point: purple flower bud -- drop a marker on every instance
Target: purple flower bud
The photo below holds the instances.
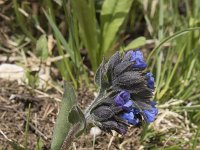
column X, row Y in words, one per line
column 138, row 58
column 150, row 80
column 113, row 125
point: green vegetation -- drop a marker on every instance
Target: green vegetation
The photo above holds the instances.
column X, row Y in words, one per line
column 86, row 31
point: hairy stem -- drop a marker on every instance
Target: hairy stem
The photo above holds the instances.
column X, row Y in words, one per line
column 70, row 137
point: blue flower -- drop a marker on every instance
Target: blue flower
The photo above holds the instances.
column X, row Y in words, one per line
column 130, row 117
column 150, row 80
column 123, row 99
column 137, row 56
column 150, row 115
column 129, row 113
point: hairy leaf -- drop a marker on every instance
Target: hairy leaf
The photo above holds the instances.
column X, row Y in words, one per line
column 62, row 123
column 77, row 116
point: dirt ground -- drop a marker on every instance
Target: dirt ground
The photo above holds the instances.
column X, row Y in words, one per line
column 15, row 101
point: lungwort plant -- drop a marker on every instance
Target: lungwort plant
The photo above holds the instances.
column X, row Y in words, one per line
column 124, row 99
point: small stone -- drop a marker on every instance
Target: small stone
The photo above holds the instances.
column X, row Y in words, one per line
column 95, row 131
column 12, row 72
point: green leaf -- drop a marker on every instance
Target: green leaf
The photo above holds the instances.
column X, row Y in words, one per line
column 42, row 47
column 174, row 36
column 140, row 41
column 167, row 84
column 21, row 21
column 39, row 144
column 60, row 36
column 85, row 13
column 62, row 125
column 59, row 2
column 33, row 78
column 195, row 140
column 113, row 15
column 60, row 39
column 77, row 116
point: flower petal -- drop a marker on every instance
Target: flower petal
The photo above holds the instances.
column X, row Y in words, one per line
column 150, row 80
column 122, row 98
column 130, row 117
column 127, row 106
column 129, row 103
column 150, row 115
column 137, row 56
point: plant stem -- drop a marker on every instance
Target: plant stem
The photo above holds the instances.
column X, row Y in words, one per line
column 70, row 137
column 88, row 109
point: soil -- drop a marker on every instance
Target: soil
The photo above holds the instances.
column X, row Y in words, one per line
column 15, row 101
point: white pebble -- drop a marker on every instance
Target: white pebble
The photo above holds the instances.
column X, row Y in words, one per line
column 95, row 131
column 11, row 72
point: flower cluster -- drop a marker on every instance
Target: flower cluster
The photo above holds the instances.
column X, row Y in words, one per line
column 125, row 93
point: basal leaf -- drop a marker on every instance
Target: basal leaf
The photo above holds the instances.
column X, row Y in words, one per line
column 113, row 15
column 84, row 11
column 62, row 125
